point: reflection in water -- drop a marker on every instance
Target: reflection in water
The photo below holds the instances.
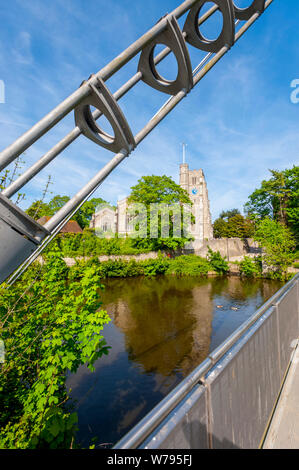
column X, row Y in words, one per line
column 162, row 328
column 166, row 328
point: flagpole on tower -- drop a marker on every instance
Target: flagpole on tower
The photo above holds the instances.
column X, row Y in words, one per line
column 184, row 152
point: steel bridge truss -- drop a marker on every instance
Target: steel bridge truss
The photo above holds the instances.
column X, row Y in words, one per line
column 21, row 238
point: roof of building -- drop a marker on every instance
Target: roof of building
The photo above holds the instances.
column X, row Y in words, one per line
column 71, row 226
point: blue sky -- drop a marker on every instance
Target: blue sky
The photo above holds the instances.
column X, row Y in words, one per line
column 238, row 122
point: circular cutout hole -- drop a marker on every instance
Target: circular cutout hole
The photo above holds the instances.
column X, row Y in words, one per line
column 243, row 3
column 104, row 127
column 212, row 27
column 167, row 69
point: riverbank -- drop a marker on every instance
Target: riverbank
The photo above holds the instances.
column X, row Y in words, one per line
column 187, row 265
column 153, row 264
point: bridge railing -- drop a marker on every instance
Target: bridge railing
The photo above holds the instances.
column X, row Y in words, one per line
column 228, row 400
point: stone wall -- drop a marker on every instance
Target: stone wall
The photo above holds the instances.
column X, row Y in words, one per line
column 233, row 248
column 139, row 257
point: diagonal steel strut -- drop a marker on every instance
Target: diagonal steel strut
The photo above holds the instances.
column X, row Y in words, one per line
column 166, row 30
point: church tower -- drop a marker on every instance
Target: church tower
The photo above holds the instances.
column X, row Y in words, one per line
column 193, row 181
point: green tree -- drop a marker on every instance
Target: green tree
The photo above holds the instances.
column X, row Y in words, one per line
column 56, row 203
column 84, row 214
column 160, row 190
column 216, row 261
column 278, row 246
column 277, row 198
column 232, row 224
column 220, row 228
column 238, row 226
column 38, row 209
column 226, row 215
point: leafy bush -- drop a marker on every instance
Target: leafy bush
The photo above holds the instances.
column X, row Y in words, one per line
column 153, row 267
column 48, row 327
column 216, row 261
column 251, row 267
column 278, row 247
column 189, row 265
column 88, row 244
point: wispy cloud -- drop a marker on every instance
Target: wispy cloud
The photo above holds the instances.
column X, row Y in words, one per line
column 22, row 48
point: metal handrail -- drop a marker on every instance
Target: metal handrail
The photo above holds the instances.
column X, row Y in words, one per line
column 153, row 419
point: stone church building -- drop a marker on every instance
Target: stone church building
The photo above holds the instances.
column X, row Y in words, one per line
column 109, row 220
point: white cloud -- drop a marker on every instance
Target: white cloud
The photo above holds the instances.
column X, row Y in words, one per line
column 22, row 49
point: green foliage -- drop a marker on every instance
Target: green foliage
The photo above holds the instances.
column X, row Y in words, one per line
column 277, row 198
column 217, row 262
column 231, row 224
column 88, row 244
column 83, row 216
column 158, row 189
column 164, row 191
column 251, row 267
column 118, row 246
column 278, row 246
column 220, row 228
column 143, row 245
column 153, row 267
column 48, row 327
column 56, row 203
column 226, row 215
column 37, row 209
column 122, row 268
column 189, row 265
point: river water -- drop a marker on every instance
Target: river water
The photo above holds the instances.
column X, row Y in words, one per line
column 161, row 329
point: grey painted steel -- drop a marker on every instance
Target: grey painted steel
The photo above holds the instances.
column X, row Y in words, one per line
column 244, row 386
column 14, row 248
column 21, row 144
column 173, row 38
column 150, row 422
column 17, row 274
column 242, row 379
column 227, row 35
column 20, row 221
column 287, row 314
column 17, row 235
column 103, row 100
column 58, row 113
column 14, row 187
column 257, row 6
column 283, row 432
column 186, row 427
